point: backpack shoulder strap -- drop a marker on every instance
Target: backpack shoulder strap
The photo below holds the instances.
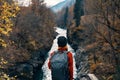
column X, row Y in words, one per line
column 55, row 52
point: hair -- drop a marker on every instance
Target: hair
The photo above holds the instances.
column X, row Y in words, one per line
column 62, row 41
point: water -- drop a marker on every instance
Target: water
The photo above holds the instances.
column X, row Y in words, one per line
column 46, row 71
column 92, row 77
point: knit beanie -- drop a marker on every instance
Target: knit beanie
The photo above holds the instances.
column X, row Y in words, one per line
column 62, row 41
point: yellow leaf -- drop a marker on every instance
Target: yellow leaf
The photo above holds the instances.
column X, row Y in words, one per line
column 33, row 43
column 7, row 11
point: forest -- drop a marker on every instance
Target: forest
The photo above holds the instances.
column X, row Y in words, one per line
column 97, row 30
column 25, row 38
column 27, row 33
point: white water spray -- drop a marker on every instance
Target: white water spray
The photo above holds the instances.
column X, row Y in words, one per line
column 46, row 71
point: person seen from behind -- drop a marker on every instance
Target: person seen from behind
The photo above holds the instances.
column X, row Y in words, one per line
column 61, row 61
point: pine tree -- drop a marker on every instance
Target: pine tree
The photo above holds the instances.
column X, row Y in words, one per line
column 66, row 17
column 78, row 11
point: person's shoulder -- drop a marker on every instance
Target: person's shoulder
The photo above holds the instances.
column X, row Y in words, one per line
column 52, row 53
column 69, row 54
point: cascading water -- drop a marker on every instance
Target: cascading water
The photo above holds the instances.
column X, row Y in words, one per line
column 46, row 71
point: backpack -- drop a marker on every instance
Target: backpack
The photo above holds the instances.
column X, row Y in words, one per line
column 59, row 65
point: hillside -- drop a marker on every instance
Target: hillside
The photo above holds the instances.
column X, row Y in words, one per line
column 24, row 40
column 96, row 39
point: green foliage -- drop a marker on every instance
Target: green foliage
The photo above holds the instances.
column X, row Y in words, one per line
column 66, row 17
column 78, row 11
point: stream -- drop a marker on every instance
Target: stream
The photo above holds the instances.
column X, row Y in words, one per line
column 46, row 71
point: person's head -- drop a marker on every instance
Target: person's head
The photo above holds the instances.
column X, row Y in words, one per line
column 62, row 41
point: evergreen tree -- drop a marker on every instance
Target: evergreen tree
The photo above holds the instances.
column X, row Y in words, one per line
column 78, row 11
column 66, row 16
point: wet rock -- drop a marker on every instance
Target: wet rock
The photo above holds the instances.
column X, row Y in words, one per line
column 22, row 71
column 31, row 69
column 25, row 71
column 82, row 65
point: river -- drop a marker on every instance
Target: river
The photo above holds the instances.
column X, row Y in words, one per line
column 46, row 71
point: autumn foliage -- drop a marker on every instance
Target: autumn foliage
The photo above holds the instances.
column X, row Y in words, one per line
column 99, row 35
column 8, row 11
column 26, row 33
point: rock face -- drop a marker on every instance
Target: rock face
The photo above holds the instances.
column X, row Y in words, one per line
column 22, row 71
column 82, row 65
column 31, row 69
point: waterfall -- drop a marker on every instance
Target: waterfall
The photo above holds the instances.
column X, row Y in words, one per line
column 46, row 71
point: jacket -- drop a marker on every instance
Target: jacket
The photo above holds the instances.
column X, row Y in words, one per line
column 70, row 61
